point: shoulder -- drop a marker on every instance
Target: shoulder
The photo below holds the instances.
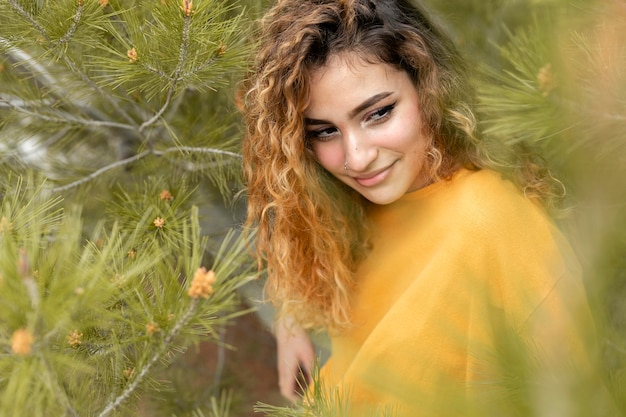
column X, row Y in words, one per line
column 484, row 201
column 484, row 189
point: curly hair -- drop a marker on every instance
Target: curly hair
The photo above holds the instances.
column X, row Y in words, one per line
column 312, row 229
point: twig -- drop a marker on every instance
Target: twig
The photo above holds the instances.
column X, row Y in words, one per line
column 169, row 338
column 192, row 149
column 162, row 110
column 158, row 72
column 220, row 360
column 59, row 389
column 23, row 57
column 70, row 32
column 18, row 102
column 67, row 118
column 85, row 78
column 28, row 17
column 182, row 57
column 137, row 157
column 101, row 171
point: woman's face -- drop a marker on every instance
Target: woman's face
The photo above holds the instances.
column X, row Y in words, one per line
column 364, row 126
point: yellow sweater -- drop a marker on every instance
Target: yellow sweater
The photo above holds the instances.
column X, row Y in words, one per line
column 454, row 267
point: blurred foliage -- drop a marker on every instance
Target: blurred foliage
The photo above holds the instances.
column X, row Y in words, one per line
column 549, row 75
column 86, row 323
column 115, row 101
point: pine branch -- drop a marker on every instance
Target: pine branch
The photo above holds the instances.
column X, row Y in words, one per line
column 182, row 57
column 167, row 341
column 43, row 77
column 19, row 55
column 138, row 157
column 30, row 19
column 101, row 171
column 72, row 66
column 103, row 93
column 199, row 150
column 17, row 103
column 66, row 117
column 72, row 29
column 61, row 393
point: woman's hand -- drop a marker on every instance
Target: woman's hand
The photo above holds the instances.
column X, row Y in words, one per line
column 295, row 358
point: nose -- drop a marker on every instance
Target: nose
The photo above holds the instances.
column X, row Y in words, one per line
column 360, row 152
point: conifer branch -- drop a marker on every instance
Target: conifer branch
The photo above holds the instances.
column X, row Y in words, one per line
column 182, row 58
column 101, row 171
column 111, row 100
column 61, row 393
column 162, row 110
column 30, row 19
column 50, row 81
column 137, row 157
column 19, row 103
column 220, row 360
column 167, row 341
column 193, row 149
column 158, row 72
column 66, row 118
column 43, row 77
column 70, row 32
column 24, row 58
column 575, row 107
column 184, row 46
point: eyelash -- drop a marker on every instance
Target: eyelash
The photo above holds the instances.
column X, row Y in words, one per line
column 383, row 113
column 377, row 116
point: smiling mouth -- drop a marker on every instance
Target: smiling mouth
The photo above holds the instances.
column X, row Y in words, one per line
column 375, row 178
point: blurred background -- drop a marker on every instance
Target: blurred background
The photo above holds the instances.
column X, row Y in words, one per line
column 109, row 101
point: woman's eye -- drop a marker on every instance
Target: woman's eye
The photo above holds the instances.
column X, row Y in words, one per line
column 381, row 113
column 321, row 134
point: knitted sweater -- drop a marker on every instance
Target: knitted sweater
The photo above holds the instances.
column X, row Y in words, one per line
column 464, row 276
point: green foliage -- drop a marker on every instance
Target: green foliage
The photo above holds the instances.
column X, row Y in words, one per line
column 116, row 101
column 126, row 108
column 559, row 89
column 86, row 323
column 322, row 400
column 95, row 86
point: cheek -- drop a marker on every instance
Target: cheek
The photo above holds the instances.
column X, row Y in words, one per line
column 329, row 155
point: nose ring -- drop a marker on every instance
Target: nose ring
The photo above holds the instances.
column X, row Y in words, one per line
column 345, row 165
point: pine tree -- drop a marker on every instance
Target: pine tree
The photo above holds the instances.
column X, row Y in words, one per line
column 86, row 322
column 118, row 141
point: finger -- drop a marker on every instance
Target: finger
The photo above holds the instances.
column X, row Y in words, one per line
column 287, row 383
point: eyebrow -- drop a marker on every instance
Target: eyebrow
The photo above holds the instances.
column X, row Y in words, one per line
column 358, row 109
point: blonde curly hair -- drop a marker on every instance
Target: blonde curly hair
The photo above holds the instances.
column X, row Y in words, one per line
column 311, row 229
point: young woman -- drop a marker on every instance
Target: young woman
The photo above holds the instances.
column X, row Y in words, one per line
column 380, row 215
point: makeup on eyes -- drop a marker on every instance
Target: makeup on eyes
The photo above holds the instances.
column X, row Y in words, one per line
column 378, row 115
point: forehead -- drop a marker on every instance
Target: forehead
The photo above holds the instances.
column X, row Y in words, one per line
column 351, row 75
column 344, row 60
column 352, row 68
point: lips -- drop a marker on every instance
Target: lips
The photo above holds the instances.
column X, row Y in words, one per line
column 374, row 178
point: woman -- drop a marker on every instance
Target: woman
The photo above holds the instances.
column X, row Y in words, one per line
column 380, row 215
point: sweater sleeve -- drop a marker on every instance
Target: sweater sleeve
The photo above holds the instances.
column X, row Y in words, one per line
column 534, row 278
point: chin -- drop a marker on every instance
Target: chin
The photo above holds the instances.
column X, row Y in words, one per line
column 381, row 199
